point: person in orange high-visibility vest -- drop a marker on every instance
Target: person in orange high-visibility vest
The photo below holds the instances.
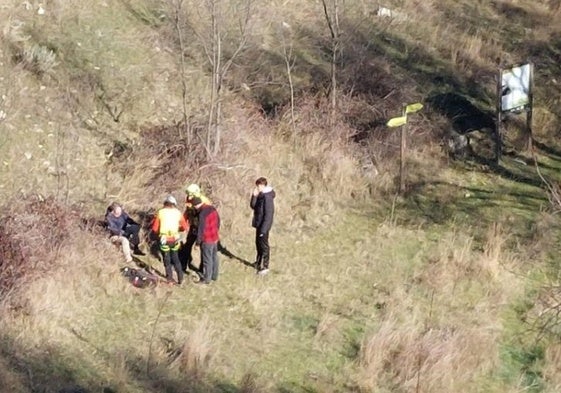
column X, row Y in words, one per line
column 168, row 224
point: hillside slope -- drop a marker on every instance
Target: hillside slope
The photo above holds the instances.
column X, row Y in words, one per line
column 450, row 286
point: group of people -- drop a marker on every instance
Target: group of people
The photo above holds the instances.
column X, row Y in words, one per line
column 199, row 224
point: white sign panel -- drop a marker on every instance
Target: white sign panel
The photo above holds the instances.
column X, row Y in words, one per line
column 515, row 91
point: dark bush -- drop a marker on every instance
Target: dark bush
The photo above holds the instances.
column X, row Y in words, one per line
column 174, row 151
column 31, row 234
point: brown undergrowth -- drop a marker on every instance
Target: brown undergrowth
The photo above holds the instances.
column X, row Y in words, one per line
column 33, row 232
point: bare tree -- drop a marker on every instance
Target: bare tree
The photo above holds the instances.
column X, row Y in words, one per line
column 213, row 16
column 287, row 48
column 331, row 13
column 221, row 29
column 178, row 24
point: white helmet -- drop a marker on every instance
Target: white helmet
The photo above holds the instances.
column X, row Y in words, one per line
column 170, row 199
column 193, row 189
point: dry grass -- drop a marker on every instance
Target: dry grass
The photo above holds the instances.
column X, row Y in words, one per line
column 440, row 341
column 12, row 381
column 444, row 359
column 552, row 372
column 430, row 343
column 356, row 298
column 248, row 384
column 195, row 356
column 493, row 251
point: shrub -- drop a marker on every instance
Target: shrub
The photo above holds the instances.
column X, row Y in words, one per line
column 36, row 57
column 32, row 232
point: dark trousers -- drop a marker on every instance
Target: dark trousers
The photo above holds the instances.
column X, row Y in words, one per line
column 263, row 250
column 209, row 261
column 171, row 259
column 186, row 253
column 131, row 233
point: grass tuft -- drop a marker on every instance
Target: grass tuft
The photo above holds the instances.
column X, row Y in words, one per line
column 196, row 352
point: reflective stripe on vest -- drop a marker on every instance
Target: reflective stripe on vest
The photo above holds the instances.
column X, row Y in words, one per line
column 169, row 221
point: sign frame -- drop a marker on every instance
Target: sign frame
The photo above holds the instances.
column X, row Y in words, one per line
column 515, row 87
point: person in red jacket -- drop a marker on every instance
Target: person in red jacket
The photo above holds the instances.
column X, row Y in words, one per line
column 192, row 217
column 168, row 224
column 207, row 239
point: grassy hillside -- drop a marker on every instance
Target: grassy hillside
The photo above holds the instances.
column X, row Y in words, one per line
column 451, row 286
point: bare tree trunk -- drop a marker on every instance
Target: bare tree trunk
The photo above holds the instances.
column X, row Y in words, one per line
column 287, row 52
column 333, row 24
column 218, row 86
column 178, row 9
column 214, row 56
column 217, row 127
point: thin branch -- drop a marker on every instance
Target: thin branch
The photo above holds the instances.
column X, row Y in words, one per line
column 177, row 24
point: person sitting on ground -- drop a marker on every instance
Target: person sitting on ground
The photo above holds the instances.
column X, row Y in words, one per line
column 192, row 216
column 168, row 224
column 123, row 230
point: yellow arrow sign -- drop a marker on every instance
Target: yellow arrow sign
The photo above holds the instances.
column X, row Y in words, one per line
column 412, row 108
column 397, row 121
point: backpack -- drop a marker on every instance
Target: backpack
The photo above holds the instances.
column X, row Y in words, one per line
column 139, row 278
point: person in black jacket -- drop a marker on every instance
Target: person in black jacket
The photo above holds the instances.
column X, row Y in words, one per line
column 123, row 230
column 263, row 205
